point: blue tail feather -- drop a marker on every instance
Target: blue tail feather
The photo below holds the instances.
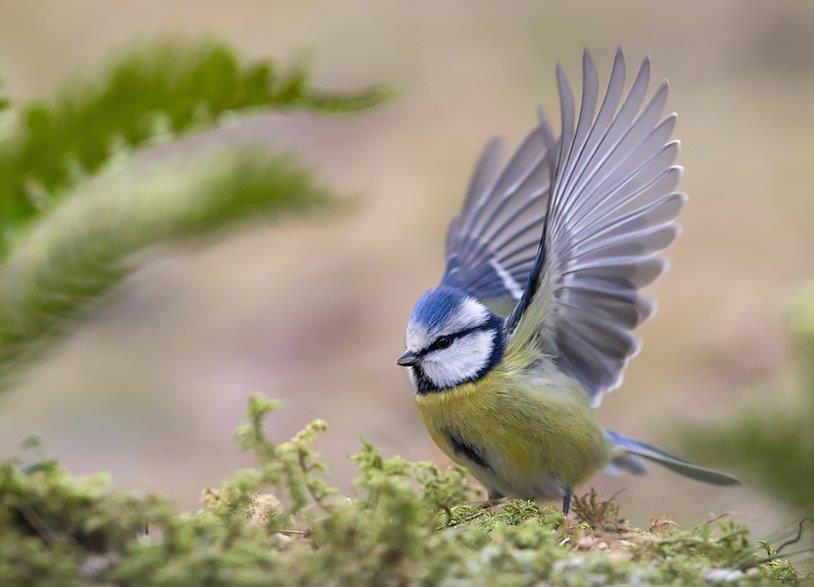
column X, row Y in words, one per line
column 633, row 447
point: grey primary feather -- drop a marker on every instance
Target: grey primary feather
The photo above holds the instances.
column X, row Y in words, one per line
column 493, row 242
column 611, row 210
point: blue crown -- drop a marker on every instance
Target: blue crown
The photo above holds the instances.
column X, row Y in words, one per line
column 435, row 306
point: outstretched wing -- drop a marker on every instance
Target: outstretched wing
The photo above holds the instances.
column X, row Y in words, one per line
column 492, row 243
column 611, row 210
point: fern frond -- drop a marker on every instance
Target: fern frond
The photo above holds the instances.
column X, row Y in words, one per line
column 85, row 246
column 148, row 94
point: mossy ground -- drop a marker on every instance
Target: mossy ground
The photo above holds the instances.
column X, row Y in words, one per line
column 406, row 523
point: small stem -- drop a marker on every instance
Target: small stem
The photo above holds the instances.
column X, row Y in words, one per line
column 489, row 505
column 300, row 533
column 39, row 525
column 779, row 549
column 306, row 470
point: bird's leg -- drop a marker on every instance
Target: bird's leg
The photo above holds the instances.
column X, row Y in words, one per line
column 566, row 501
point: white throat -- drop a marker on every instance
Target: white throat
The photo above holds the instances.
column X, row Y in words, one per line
column 463, row 361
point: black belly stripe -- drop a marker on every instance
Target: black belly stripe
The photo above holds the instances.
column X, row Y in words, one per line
column 469, row 451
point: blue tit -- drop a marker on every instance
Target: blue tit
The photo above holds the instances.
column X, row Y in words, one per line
column 533, row 320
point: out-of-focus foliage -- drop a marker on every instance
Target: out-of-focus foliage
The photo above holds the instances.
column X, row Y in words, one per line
column 151, row 93
column 776, row 446
column 86, row 245
column 279, row 523
column 4, row 103
column 65, row 241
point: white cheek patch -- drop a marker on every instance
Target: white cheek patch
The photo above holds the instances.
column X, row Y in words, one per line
column 460, row 362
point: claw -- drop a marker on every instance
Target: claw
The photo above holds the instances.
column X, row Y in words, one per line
column 566, row 501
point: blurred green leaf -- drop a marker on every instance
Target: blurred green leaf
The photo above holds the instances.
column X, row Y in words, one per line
column 148, row 94
column 85, row 246
column 67, row 241
column 4, row 102
column 772, row 446
column 32, row 442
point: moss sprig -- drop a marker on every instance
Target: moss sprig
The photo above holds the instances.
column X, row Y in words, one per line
column 279, row 523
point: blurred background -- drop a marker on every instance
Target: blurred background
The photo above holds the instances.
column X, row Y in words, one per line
column 313, row 311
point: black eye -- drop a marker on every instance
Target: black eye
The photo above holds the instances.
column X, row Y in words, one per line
column 443, row 342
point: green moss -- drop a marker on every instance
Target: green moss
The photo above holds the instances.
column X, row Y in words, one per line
column 279, row 523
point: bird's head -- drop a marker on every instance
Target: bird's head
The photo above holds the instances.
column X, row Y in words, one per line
column 452, row 338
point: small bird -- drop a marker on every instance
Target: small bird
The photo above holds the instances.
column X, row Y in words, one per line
column 533, row 320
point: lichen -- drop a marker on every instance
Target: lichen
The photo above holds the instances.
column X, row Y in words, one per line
column 280, row 523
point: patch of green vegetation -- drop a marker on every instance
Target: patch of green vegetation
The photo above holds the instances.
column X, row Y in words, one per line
column 66, row 241
column 85, row 247
column 280, row 523
column 775, row 446
column 76, row 210
column 148, row 94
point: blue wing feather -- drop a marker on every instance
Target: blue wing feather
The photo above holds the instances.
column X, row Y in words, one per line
column 492, row 243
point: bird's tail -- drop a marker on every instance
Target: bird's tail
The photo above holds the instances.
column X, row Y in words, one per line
column 632, row 448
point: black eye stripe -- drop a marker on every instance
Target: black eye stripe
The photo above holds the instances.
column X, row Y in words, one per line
column 453, row 337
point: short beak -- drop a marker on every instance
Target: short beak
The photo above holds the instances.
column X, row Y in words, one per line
column 408, row 359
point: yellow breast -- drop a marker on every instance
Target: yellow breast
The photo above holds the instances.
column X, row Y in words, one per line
column 521, row 432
